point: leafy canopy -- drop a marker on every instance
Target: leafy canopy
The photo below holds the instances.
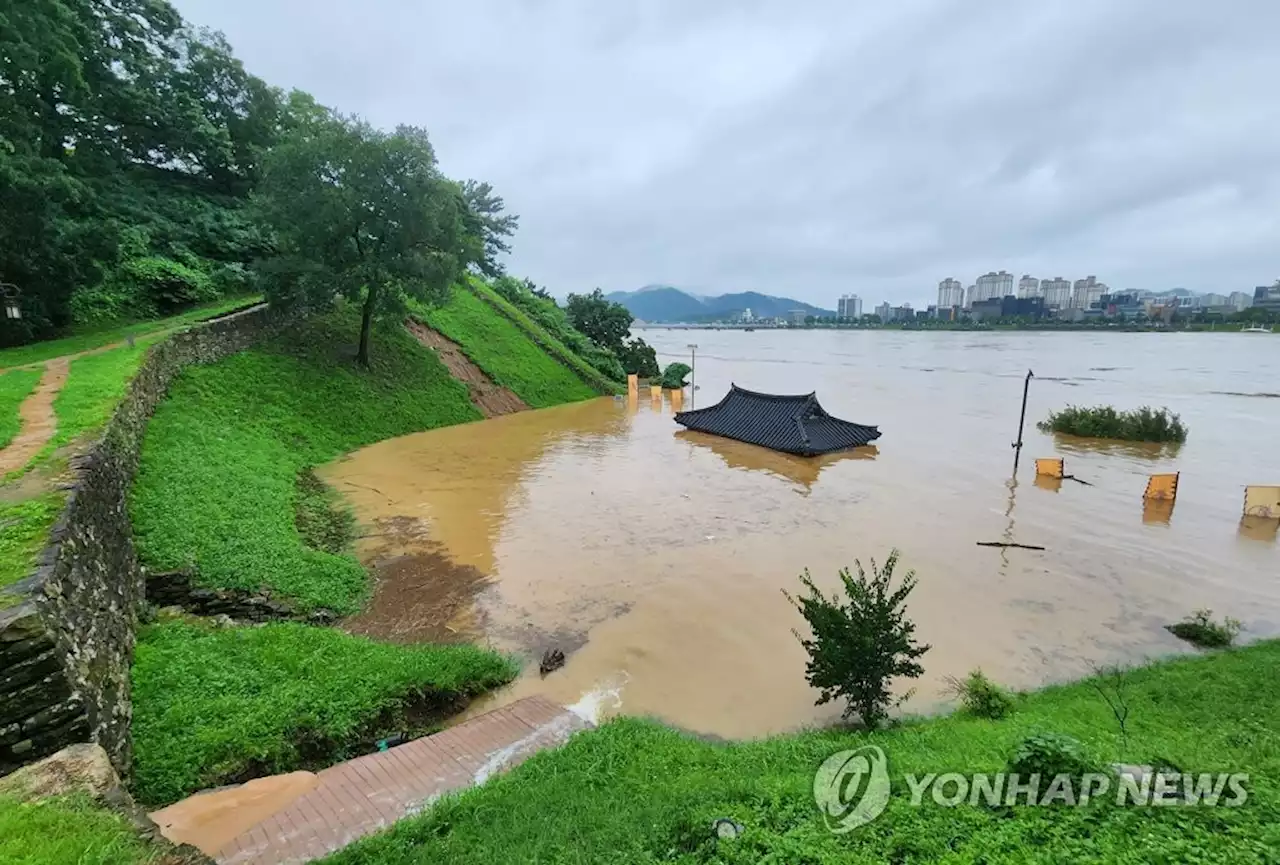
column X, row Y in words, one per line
column 362, row 213
column 861, row 643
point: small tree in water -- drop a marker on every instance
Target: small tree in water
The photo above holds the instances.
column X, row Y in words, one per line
column 859, row 646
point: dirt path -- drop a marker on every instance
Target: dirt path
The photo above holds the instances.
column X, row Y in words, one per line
column 38, row 420
column 491, row 399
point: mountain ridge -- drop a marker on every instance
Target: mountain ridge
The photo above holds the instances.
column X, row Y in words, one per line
column 666, row 303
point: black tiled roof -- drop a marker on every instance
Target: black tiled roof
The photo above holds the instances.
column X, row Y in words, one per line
column 791, row 424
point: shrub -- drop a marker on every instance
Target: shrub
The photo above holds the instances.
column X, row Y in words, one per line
column 1201, row 630
column 1144, row 425
column 859, row 646
column 145, row 287
column 1050, row 754
column 639, row 358
column 674, row 375
column 981, row 697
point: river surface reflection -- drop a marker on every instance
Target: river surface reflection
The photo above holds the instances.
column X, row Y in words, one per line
column 656, row 558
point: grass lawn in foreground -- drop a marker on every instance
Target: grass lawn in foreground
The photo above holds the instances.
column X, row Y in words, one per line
column 637, row 792
column 15, row 386
column 71, row 830
column 504, row 352
column 211, row 703
column 217, row 486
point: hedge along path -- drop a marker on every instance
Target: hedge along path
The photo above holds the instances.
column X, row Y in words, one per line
column 39, row 423
column 491, row 399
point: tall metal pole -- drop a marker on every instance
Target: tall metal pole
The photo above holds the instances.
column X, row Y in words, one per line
column 1022, row 419
column 693, row 374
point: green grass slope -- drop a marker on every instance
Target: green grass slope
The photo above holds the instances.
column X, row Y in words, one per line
column 637, row 792
column 504, row 352
column 211, row 703
column 545, row 339
column 217, row 485
column 71, row 830
column 15, row 386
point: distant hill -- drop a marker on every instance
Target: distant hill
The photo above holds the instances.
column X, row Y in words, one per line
column 666, row 303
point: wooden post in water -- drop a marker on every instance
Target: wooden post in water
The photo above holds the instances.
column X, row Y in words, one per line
column 1022, row 419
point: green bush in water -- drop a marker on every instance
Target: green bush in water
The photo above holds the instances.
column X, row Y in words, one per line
column 1143, row 425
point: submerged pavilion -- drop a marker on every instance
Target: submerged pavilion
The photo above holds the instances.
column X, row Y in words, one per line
column 791, row 424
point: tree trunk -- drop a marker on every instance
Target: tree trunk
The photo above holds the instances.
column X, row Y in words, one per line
column 366, row 322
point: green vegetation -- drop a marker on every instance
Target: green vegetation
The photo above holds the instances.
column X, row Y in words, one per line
column 214, row 705
column 393, row 231
column 324, row 522
column 15, row 386
column 1049, row 754
column 637, row 792
column 70, row 829
column 24, row 528
column 675, row 374
column 93, row 338
column 537, row 304
column 981, row 697
column 1144, row 425
column 862, row 642
column 217, row 485
column 1201, row 630
column 95, row 385
column 575, row 360
column 503, row 351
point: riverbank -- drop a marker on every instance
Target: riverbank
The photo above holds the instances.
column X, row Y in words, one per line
column 228, row 513
column 635, row 791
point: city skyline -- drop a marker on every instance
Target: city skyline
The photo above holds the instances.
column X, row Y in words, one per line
column 1058, row 293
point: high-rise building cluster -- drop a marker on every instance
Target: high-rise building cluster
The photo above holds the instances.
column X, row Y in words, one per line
column 1058, row 293
column 849, row 306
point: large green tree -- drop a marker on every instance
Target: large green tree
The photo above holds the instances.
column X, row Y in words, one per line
column 606, row 323
column 117, row 120
column 363, row 213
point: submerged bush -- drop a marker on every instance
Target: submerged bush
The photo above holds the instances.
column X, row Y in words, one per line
column 981, row 697
column 674, row 375
column 1201, row 630
column 859, row 646
column 1144, row 425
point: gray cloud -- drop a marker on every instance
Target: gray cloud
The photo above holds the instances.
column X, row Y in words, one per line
column 817, row 148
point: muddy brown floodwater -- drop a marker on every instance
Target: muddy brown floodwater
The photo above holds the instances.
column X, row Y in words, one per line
column 656, row 558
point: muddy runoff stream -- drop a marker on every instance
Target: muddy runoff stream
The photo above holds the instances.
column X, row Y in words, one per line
column 656, row 559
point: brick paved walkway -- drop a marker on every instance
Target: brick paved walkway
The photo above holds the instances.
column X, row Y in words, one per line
column 356, row 798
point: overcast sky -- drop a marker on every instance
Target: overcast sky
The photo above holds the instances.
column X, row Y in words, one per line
column 816, row 148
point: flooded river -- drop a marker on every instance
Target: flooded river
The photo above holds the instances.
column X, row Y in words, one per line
column 656, row 559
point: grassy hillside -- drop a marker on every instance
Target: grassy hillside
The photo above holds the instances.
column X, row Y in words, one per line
column 546, row 340
column 637, row 792
column 210, row 704
column 218, row 481
column 504, row 352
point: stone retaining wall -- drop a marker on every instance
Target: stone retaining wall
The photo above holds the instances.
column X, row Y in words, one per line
column 67, row 646
column 178, row 589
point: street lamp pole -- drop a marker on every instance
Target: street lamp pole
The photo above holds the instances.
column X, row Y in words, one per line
column 693, row 374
